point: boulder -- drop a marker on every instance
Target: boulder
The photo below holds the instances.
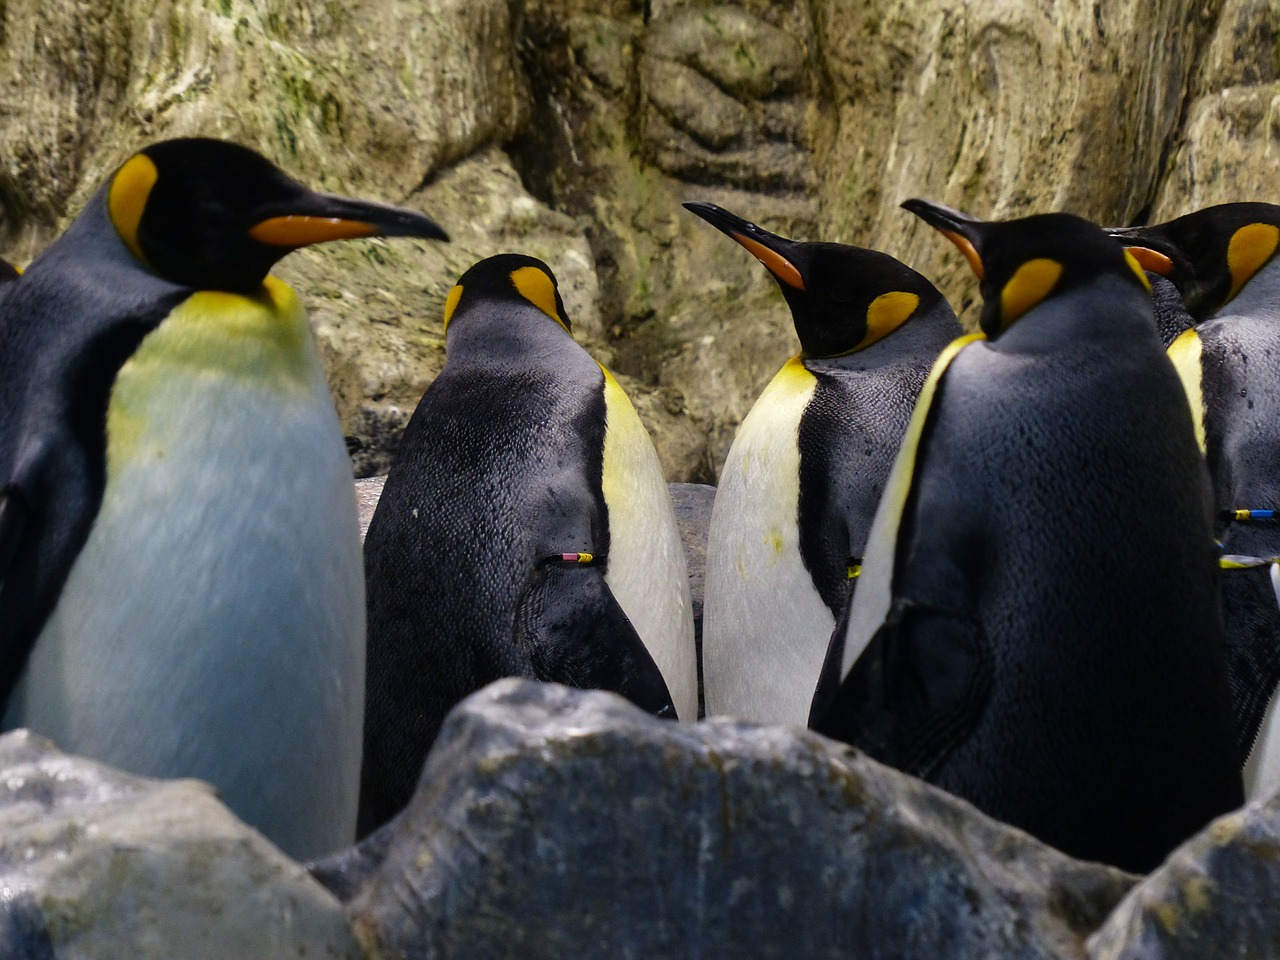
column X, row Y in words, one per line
column 559, row 823
column 1214, row 897
column 98, row 863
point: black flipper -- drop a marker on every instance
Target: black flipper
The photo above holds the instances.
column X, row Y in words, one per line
column 1253, row 647
column 916, row 691
column 574, row 632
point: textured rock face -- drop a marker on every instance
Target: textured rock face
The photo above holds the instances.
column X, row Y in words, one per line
column 97, row 863
column 572, row 130
column 1215, row 896
column 557, row 823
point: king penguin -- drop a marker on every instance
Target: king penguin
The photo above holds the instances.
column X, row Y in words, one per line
column 524, row 530
column 1223, row 262
column 1036, row 628
column 804, row 474
column 181, row 591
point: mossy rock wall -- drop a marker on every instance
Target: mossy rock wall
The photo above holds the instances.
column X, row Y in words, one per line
column 573, row 130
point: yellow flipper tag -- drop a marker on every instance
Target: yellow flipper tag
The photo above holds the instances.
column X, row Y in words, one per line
column 451, row 303
column 1030, row 284
column 887, row 313
column 127, row 198
column 536, row 287
column 1184, row 352
column 1250, row 247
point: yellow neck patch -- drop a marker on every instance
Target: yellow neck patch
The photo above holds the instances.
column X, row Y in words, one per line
column 451, row 304
column 539, row 289
column 1031, row 283
column 127, row 199
column 1250, row 247
column 1185, row 354
column 887, row 313
column 1136, row 266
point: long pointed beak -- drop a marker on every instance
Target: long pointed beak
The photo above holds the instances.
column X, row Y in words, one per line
column 769, row 248
column 320, row 217
column 960, row 228
column 1138, row 242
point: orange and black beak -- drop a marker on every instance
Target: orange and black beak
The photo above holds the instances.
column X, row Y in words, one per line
column 321, row 217
column 780, row 256
column 960, row 228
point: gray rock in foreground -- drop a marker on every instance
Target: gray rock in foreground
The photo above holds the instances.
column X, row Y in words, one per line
column 1216, row 896
column 559, row 823
column 95, row 863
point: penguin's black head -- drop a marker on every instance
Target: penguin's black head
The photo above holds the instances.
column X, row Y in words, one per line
column 1021, row 263
column 1210, row 254
column 217, row 216
column 842, row 298
column 509, row 278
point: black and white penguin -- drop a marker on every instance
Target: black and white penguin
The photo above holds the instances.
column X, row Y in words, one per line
column 1222, row 261
column 801, row 482
column 1036, row 628
column 180, row 584
column 525, row 530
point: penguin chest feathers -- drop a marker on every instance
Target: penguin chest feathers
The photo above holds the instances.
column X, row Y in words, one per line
column 647, row 572
column 213, row 622
column 766, row 627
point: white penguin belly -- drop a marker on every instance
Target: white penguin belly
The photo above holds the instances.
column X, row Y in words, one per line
column 647, row 573
column 765, row 628
column 213, row 624
column 1262, row 768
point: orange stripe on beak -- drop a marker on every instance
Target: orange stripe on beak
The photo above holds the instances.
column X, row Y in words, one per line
column 1152, row 261
column 773, row 261
column 304, row 231
column 965, row 246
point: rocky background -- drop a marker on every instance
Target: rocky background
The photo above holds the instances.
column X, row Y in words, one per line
column 571, row 130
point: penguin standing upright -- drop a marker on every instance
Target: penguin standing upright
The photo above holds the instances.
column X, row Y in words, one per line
column 1222, row 261
column 1036, row 628
column 180, row 581
column 525, row 530
column 803, row 477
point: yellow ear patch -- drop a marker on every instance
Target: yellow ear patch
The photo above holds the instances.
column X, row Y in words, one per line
column 887, row 313
column 1135, row 264
column 1250, row 247
column 536, row 287
column 451, row 303
column 1031, row 283
column 127, row 198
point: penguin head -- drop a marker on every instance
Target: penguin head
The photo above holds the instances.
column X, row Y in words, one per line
column 1022, row 263
column 842, row 298
column 214, row 215
column 510, row 279
column 1210, row 254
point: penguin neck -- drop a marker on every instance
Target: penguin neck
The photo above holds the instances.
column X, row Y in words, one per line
column 1260, row 296
column 522, row 336
column 923, row 335
column 91, row 254
column 1098, row 315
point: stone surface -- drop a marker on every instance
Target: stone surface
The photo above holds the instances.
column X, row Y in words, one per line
column 557, row 823
column 99, row 864
column 1214, row 897
column 572, row 130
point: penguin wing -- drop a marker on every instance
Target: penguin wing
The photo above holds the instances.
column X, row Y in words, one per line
column 907, row 669
column 13, row 520
column 574, row 632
